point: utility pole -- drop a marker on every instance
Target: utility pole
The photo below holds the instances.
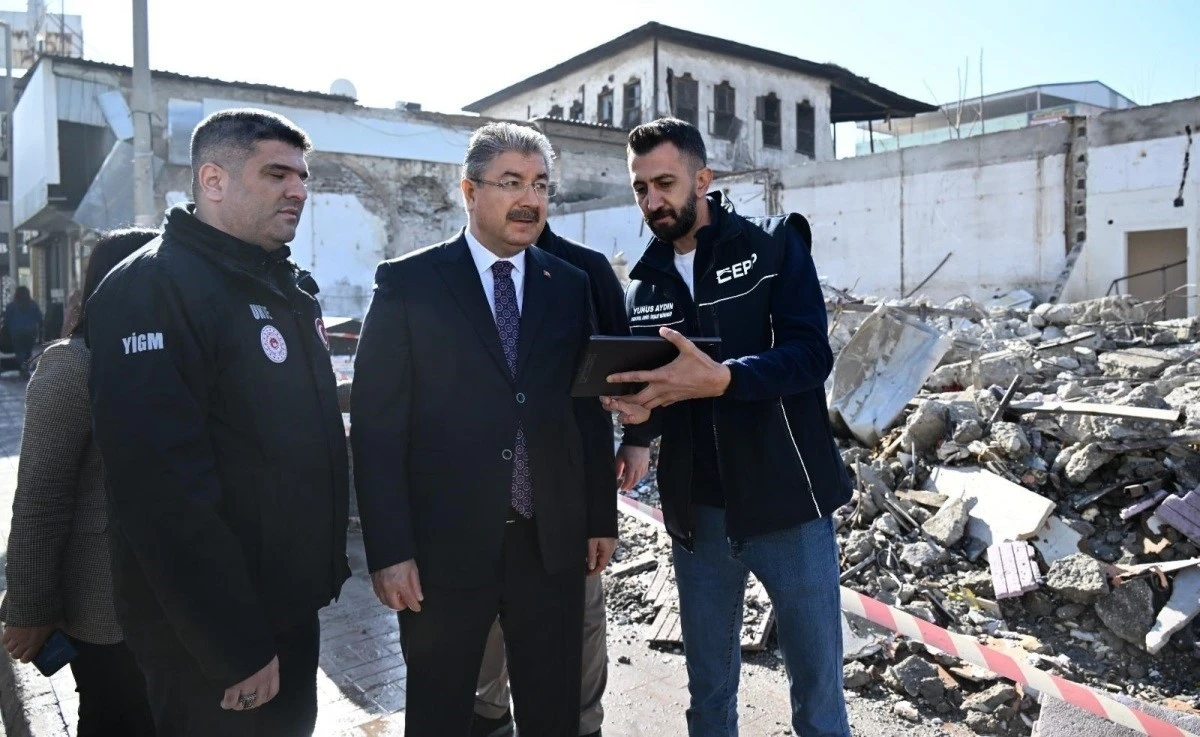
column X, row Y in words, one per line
column 11, row 225
column 143, row 157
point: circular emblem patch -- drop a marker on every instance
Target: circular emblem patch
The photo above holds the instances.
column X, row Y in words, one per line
column 321, row 332
column 273, row 344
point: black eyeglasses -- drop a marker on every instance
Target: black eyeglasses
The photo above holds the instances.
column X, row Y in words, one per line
column 515, row 189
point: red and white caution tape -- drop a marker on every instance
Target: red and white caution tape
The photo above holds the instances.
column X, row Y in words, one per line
column 970, row 650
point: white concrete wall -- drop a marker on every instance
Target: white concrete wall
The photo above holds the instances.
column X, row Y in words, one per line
column 1131, row 186
column 340, row 242
column 35, row 125
column 884, row 234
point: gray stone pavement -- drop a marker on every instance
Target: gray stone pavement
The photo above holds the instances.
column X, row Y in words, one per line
column 362, row 678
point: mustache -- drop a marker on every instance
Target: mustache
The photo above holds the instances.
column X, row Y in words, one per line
column 661, row 212
column 523, row 213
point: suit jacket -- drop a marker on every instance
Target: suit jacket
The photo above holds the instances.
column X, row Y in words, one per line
column 435, row 412
column 58, row 556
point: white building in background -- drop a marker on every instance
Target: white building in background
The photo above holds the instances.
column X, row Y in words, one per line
column 1002, row 111
column 756, row 108
column 37, row 31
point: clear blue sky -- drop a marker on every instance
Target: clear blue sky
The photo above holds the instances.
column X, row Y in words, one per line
column 445, row 54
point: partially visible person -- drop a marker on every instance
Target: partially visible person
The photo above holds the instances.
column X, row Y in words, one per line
column 58, row 561
column 24, row 320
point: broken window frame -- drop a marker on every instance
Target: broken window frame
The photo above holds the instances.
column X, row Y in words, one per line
column 806, row 129
column 576, row 112
column 604, row 106
column 631, row 106
column 685, row 96
column 724, row 105
column 556, row 111
column 771, row 124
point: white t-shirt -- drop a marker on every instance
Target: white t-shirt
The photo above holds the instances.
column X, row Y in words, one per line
column 685, row 264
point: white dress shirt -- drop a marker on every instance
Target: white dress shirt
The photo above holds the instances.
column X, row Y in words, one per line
column 483, row 262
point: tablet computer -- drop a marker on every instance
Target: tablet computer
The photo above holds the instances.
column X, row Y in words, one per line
column 612, row 354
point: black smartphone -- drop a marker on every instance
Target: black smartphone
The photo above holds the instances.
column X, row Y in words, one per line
column 56, row 652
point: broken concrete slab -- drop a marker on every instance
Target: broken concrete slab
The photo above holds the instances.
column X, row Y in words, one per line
column 925, row 428
column 1057, row 540
column 949, row 524
column 921, row 556
column 1135, row 363
column 1079, row 578
column 988, row 700
column 1001, row 510
column 1128, row 610
column 882, row 366
column 1060, row 719
column 999, row 367
column 1181, row 609
column 1085, row 461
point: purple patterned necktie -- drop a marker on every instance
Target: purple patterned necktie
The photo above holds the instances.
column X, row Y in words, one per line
column 508, row 324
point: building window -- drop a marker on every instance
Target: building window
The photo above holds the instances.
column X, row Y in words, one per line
column 604, row 107
column 631, row 115
column 577, row 110
column 806, row 130
column 768, row 114
column 556, row 111
column 724, row 101
column 685, row 98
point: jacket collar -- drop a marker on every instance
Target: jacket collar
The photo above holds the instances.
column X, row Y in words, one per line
column 232, row 254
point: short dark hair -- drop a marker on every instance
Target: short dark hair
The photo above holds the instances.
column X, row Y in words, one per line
column 227, row 138
column 686, row 137
column 112, row 248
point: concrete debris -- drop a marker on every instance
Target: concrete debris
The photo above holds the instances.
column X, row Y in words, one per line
column 1079, row 578
column 1182, row 608
column 880, row 369
column 949, row 524
column 1128, row 610
column 1000, row 509
column 1038, row 427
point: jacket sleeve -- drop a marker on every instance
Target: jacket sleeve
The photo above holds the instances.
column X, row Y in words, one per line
column 801, row 358
column 151, row 381
column 379, row 426
column 57, row 433
column 596, row 430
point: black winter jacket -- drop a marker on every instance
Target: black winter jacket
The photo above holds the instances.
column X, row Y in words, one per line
column 757, row 290
column 215, row 410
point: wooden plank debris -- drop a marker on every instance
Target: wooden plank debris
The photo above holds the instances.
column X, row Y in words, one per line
column 1013, row 570
column 637, row 565
column 1107, row 410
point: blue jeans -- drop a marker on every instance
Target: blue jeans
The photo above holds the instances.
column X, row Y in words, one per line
column 799, row 569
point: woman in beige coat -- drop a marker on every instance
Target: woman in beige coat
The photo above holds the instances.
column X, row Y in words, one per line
column 58, row 563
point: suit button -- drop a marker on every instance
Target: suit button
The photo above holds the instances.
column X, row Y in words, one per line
column 506, row 454
column 520, row 398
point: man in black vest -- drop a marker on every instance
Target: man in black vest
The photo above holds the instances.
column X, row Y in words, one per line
column 748, row 470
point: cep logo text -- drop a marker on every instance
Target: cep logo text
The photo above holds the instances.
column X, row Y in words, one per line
column 737, row 271
column 139, row 342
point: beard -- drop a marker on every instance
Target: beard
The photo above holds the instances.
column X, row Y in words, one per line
column 685, row 219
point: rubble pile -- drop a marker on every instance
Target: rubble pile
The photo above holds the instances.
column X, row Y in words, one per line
column 970, row 428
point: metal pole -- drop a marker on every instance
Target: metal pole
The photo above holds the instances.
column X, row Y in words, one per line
column 143, row 158
column 11, row 225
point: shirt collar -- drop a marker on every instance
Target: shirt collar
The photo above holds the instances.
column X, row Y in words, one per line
column 484, row 258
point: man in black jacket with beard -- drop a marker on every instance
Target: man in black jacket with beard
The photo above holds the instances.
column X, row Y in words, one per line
column 748, row 471
column 216, row 414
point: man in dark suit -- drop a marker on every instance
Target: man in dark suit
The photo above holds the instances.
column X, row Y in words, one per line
column 492, row 695
column 484, row 488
